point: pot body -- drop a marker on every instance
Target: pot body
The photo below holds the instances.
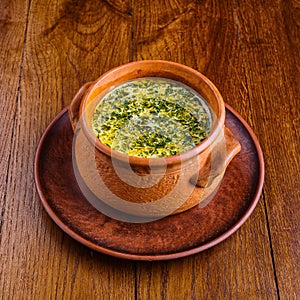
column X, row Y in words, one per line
column 158, row 186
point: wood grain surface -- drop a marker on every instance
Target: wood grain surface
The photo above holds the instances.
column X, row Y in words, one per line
column 249, row 49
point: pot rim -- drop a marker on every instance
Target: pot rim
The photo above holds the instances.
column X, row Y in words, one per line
column 157, row 161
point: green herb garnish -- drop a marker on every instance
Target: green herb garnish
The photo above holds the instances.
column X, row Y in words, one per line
column 151, row 117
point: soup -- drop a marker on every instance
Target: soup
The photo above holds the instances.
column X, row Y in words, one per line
column 151, row 117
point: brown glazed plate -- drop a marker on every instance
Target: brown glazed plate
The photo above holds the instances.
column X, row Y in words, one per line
column 175, row 236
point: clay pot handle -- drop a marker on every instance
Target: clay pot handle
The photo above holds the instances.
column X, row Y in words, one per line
column 233, row 147
column 74, row 106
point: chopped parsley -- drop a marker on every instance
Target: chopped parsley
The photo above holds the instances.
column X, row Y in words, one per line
column 151, row 117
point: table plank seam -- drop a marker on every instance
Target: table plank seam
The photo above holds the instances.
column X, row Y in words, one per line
column 18, row 95
column 271, row 245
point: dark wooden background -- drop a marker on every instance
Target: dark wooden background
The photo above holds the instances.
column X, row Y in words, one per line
column 250, row 49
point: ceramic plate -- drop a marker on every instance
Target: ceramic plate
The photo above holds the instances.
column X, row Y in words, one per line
column 175, row 236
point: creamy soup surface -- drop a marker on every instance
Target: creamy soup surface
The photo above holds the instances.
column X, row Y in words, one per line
column 152, row 117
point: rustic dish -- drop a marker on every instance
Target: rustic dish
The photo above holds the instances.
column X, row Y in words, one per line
column 150, row 187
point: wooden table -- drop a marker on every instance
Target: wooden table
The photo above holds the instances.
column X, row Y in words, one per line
column 249, row 49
